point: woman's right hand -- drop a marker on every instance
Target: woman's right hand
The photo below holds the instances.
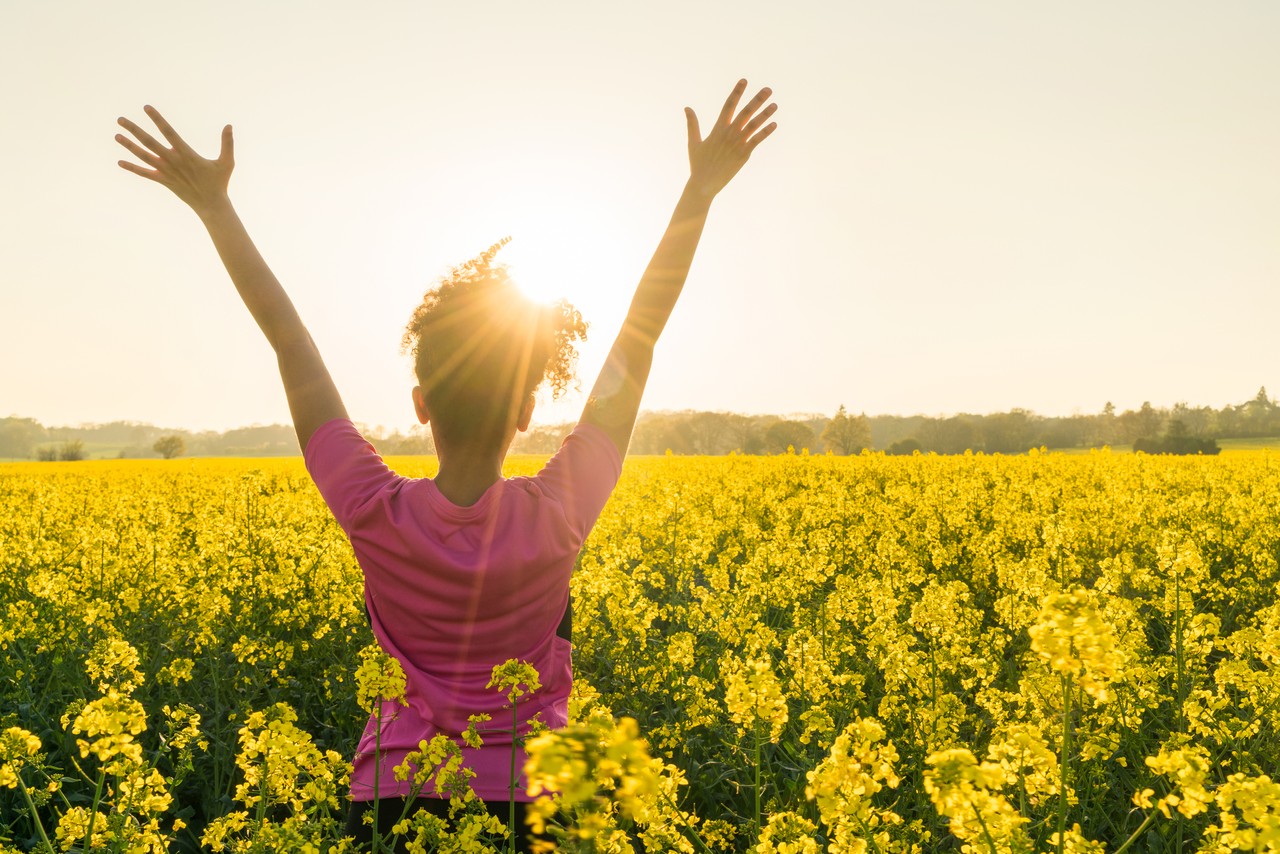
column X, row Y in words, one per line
column 199, row 182
column 714, row 161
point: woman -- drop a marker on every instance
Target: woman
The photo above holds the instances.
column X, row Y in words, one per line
column 466, row 570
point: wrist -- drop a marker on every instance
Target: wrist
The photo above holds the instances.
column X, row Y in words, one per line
column 213, row 208
column 697, row 194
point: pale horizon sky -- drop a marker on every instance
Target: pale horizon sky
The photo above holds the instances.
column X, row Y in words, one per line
column 967, row 207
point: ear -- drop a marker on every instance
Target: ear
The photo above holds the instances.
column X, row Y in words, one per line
column 526, row 414
column 420, row 405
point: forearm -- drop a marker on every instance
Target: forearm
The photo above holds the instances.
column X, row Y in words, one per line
column 258, row 287
column 664, row 278
column 615, row 398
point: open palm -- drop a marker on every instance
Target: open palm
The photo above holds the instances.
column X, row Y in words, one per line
column 196, row 180
column 715, row 159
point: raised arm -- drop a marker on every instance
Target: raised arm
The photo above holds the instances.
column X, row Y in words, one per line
column 713, row 161
column 202, row 184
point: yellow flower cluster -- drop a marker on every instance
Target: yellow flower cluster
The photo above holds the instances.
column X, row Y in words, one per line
column 968, row 794
column 517, row 678
column 844, row 785
column 110, row 725
column 588, row 771
column 113, row 664
column 1249, row 814
column 1188, row 770
column 281, row 764
column 1073, row 639
column 788, row 833
column 17, row 747
column 379, row 677
column 753, row 697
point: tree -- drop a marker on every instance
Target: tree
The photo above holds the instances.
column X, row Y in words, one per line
column 18, row 436
column 1008, row 432
column 706, row 430
column 903, row 448
column 169, row 446
column 782, row 435
column 953, row 435
column 846, row 435
column 71, row 450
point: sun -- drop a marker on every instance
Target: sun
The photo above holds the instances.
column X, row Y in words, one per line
column 564, row 247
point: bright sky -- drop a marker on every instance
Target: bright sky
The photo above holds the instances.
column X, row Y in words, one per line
column 968, row 206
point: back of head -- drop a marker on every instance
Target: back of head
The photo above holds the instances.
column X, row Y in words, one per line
column 481, row 349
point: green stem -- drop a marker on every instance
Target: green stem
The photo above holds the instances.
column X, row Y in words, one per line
column 1062, row 762
column 1181, row 665
column 377, row 775
column 93, row 812
column 1145, row 824
column 1179, row 656
column 35, row 818
column 511, row 785
column 757, row 786
column 689, row 833
column 871, row 837
column 986, row 832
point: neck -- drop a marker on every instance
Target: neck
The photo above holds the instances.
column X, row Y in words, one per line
column 464, row 478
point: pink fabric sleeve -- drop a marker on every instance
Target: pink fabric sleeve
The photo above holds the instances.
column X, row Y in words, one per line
column 346, row 469
column 581, row 476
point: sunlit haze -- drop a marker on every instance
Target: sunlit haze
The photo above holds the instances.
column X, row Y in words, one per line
column 966, row 206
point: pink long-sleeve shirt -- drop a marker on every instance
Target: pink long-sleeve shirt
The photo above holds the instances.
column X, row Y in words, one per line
column 452, row 591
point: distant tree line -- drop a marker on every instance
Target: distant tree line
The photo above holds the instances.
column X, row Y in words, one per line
column 1178, row 429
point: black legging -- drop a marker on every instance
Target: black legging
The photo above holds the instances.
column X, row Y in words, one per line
column 390, row 810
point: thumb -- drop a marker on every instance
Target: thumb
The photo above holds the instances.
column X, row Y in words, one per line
column 695, row 136
column 228, row 152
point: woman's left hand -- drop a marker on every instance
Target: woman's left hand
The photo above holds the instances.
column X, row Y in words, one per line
column 198, row 181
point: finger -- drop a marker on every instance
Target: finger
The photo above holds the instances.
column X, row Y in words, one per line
column 138, row 151
column 731, row 103
column 138, row 170
column 227, row 154
column 761, row 136
column 752, row 106
column 166, row 129
column 755, row 123
column 146, row 139
column 691, row 118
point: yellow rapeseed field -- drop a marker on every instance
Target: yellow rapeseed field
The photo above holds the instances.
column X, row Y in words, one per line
column 787, row 654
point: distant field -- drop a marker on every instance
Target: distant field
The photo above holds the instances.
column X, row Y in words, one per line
column 1228, row 446
column 105, row 451
column 1270, row 443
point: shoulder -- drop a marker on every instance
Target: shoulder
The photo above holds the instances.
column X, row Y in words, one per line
column 347, row 469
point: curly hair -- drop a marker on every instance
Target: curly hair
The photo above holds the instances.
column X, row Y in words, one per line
column 481, row 348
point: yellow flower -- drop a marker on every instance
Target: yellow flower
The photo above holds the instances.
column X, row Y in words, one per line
column 471, row 735
column 860, row 764
column 74, row 826
column 591, row 766
column 114, row 665
column 787, row 833
column 1074, row 842
column 1024, row 757
column 17, row 746
column 109, row 725
column 1073, row 639
column 1249, row 814
column 1187, row 769
column 517, row 677
column 753, row 696
column 968, row 794
column 379, row 677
